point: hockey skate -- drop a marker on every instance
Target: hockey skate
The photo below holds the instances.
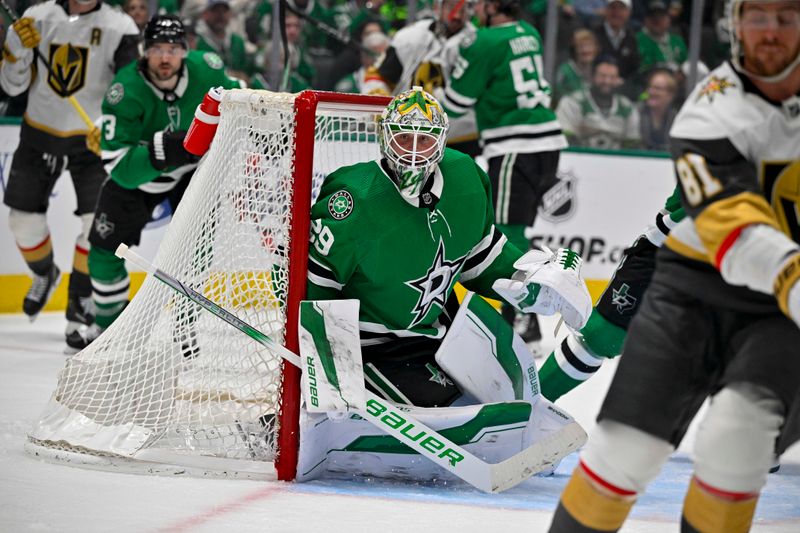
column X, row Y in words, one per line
column 80, row 312
column 40, row 292
column 82, row 337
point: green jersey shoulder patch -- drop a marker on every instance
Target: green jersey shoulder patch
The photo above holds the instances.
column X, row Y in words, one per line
column 115, row 93
column 340, row 205
column 213, row 60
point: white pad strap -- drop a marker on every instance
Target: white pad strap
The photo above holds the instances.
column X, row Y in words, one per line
column 485, row 357
column 330, row 351
column 29, row 229
column 735, row 441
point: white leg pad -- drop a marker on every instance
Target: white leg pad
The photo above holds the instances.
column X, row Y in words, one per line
column 736, row 439
column 353, row 446
column 29, row 229
column 485, row 357
column 624, row 456
column 86, row 227
column 330, row 351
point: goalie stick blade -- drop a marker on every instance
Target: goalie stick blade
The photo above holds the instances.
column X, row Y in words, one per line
column 538, row 456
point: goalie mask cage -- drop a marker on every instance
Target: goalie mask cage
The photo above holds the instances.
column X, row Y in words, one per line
column 171, row 388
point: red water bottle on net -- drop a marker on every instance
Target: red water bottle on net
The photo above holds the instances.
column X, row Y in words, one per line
column 204, row 125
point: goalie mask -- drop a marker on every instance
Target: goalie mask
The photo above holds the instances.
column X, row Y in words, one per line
column 413, row 132
column 785, row 20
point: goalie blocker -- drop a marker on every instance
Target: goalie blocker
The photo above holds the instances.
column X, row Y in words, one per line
column 499, row 413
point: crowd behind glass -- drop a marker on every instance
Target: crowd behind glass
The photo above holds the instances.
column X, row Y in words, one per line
column 621, row 67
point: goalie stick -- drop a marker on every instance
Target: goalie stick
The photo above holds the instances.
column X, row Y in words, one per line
column 394, row 421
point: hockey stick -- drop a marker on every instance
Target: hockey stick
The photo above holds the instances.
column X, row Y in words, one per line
column 339, row 35
column 398, row 423
column 51, row 72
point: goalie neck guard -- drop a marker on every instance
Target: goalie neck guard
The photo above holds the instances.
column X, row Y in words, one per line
column 413, row 132
column 736, row 8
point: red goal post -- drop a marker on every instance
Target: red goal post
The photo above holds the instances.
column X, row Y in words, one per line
column 169, row 388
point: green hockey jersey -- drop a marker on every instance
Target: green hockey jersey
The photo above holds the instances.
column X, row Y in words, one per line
column 500, row 74
column 134, row 109
column 587, row 124
column 402, row 260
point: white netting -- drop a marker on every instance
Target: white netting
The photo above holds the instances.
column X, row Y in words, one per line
column 169, row 382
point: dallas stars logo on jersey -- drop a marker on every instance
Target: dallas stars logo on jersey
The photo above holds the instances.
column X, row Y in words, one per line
column 622, row 299
column 434, row 285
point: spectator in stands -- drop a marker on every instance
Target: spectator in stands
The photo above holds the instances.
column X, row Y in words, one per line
column 658, row 47
column 600, row 117
column 137, row 9
column 657, row 110
column 576, row 73
column 590, row 12
column 214, row 35
column 618, row 40
column 301, row 72
column 376, row 44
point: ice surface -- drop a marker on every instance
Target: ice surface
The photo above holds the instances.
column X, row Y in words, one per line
column 40, row 496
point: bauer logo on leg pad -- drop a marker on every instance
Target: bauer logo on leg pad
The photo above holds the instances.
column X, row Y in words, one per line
column 333, row 373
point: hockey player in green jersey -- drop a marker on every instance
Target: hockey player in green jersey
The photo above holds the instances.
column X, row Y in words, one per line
column 396, row 235
column 499, row 74
column 582, row 352
column 146, row 112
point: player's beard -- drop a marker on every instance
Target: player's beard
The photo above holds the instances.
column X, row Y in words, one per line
column 164, row 72
column 755, row 64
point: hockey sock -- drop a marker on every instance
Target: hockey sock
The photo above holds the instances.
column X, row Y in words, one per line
column 33, row 240
column 80, row 284
column 578, row 358
column 39, row 257
column 710, row 510
column 110, row 285
column 591, row 504
column 566, row 367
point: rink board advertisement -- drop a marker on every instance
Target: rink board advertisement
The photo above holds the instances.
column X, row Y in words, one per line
column 601, row 203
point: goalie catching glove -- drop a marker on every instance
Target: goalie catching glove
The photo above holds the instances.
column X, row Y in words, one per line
column 546, row 283
column 166, row 150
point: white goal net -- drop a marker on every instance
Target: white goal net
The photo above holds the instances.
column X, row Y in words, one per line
column 170, row 387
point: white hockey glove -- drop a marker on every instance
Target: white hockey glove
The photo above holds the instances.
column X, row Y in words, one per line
column 787, row 288
column 547, row 283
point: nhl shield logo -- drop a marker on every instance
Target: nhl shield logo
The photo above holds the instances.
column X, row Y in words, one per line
column 558, row 203
column 68, row 68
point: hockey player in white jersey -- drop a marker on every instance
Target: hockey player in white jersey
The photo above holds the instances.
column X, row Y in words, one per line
column 423, row 54
column 720, row 317
column 84, row 42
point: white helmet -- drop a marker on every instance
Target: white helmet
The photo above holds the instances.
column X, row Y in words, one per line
column 413, row 132
column 734, row 18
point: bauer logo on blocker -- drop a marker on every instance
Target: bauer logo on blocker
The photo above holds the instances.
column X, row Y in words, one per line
column 340, row 205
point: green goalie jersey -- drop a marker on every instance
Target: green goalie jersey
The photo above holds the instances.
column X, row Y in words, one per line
column 402, row 260
column 134, row 109
column 500, row 73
